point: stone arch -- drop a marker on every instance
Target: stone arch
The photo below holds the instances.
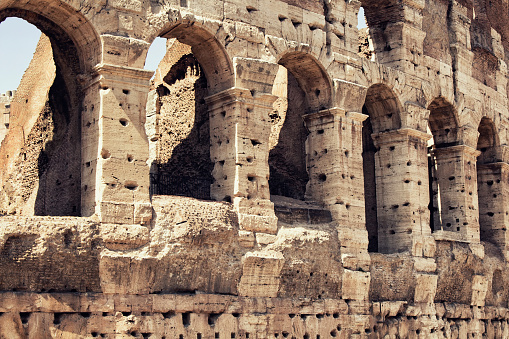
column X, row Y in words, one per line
column 443, row 122
column 195, row 67
column 488, row 136
column 65, row 26
column 383, row 107
column 210, row 53
column 73, row 45
column 312, row 78
column 384, row 110
column 490, row 184
column 302, row 87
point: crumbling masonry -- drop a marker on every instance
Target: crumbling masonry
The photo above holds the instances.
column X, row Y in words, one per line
column 284, row 175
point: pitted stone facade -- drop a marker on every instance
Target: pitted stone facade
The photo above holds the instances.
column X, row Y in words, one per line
column 276, row 179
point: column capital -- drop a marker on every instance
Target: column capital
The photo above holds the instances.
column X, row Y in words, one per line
column 454, row 150
column 494, row 165
column 106, row 74
column 237, row 94
column 334, row 112
column 398, row 135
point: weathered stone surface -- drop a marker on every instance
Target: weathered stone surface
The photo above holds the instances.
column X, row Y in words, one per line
column 283, row 175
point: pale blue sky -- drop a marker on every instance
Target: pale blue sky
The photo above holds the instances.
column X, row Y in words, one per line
column 19, row 39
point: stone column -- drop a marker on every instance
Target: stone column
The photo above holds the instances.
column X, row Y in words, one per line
column 493, row 184
column 456, row 183
column 239, row 132
column 115, row 174
column 401, row 170
column 334, row 161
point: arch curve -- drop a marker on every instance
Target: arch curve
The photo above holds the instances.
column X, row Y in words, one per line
column 209, row 52
column 312, row 78
column 383, row 107
column 66, row 27
column 443, row 122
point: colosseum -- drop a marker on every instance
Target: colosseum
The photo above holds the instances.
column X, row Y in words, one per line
column 283, row 174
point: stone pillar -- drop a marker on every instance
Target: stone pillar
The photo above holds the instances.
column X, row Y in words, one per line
column 334, row 161
column 456, row 183
column 401, row 170
column 400, row 44
column 493, row 184
column 239, row 132
column 115, row 174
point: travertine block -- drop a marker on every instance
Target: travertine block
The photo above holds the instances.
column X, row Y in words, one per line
column 260, row 274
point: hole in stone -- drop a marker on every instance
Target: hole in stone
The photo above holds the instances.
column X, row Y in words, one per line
column 124, row 122
column 24, row 317
column 94, row 334
column 322, row 177
column 216, row 335
column 249, row 159
column 285, row 334
column 489, row 182
column 452, row 178
column 57, row 318
column 392, row 148
column 105, row 154
column 419, row 183
column 392, row 232
column 125, row 91
column 346, row 154
column 198, row 335
column 131, row 185
column 186, row 319
column 409, row 163
column 395, row 206
column 236, row 315
column 406, row 204
column 168, row 315
column 251, row 178
column 388, row 165
column 251, row 9
column 333, row 333
column 490, row 214
column 281, row 17
column 255, row 142
column 320, row 131
column 407, row 181
column 448, row 224
column 130, row 158
column 227, row 199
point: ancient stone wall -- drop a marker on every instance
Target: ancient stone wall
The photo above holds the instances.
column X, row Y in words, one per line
column 5, row 110
column 337, row 183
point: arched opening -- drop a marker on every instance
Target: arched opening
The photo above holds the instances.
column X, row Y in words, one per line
column 40, row 158
column 302, row 87
column 443, row 125
column 490, row 185
column 193, row 67
column 383, row 109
